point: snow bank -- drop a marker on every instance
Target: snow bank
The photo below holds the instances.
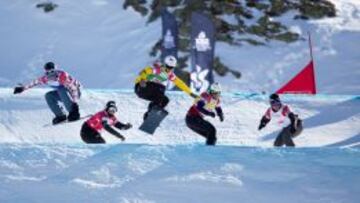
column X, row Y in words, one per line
column 328, row 120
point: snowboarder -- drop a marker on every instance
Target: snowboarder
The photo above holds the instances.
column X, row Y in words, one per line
column 90, row 131
column 66, row 90
column 152, row 82
column 280, row 110
column 205, row 106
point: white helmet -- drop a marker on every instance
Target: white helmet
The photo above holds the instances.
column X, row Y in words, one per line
column 170, row 61
column 215, row 88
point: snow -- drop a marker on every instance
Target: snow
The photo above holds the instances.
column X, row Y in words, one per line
column 189, row 173
column 327, row 119
column 105, row 46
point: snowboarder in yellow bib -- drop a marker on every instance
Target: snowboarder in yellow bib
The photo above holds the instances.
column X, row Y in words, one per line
column 152, row 82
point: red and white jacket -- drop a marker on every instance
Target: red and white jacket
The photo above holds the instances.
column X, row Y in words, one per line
column 59, row 78
column 96, row 121
column 280, row 116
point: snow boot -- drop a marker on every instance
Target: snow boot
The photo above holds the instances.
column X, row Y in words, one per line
column 74, row 114
column 58, row 119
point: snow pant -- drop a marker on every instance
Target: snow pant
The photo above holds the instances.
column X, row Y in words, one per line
column 285, row 136
column 153, row 92
column 202, row 127
column 53, row 99
column 90, row 136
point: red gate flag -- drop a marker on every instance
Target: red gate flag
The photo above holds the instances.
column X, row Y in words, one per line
column 302, row 83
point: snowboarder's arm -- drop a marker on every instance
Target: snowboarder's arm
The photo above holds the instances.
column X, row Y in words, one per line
column 182, row 85
column 122, row 126
column 220, row 113
column 108, row 128
column 200, row 106
column 39, row 81
column 264, row 121
column 144, row 74
column 294, row 120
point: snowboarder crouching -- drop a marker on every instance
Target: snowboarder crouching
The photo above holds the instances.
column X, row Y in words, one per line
column 66, row 90
column 205, row 106
column 280, row 110
column 90, row 131
column 152, row 82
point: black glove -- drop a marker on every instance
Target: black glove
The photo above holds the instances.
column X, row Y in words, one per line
column 261, row 126
column 221, row 117
column 122, row 138
column 127, row 126
column 19, row 89
column 212, row 114
column 194, row 95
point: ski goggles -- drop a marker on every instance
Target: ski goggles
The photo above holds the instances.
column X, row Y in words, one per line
column 275, row 103
column 112, row 110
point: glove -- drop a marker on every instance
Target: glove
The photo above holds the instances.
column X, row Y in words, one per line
column 221, row 117
column 19, row 89
column 261, row 126
column 212, row 114
column 194, row 95
column 122, row 138
column 127, row 126
column 142, row 83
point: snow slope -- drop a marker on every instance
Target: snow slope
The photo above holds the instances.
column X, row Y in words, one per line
column 328, row 120
column 105, row 47
column 147, row 173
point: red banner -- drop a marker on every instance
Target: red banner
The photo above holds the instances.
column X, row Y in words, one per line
column 302, row 83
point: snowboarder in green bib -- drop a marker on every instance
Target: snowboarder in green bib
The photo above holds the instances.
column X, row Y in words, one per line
column 152, row 82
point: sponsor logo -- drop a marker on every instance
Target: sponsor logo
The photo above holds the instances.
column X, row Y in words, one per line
column 199, row 83
column 169, row 41
column 202, row 42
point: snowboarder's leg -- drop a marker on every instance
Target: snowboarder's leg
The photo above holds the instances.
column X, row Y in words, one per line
column 279, row 141
column 202, row 127
column 285, row 137
column 52, row 99
column 155, row 93
column 70, row 106
column 90, row 136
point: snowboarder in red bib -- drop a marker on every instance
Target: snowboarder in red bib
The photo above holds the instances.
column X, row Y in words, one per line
column 281, row 111
column 152, row 82
column 66, row 90
column 205, row 105
column 90, row 131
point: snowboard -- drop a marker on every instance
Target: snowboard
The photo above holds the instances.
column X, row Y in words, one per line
column 153, row 120
column 66, row 121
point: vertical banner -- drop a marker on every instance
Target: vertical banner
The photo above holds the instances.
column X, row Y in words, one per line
column 169, row 45
column 202, row 52
column 169, row 34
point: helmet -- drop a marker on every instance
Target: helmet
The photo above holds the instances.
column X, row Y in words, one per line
column 274, row 98
column 170, row 61
column 111, row 106
column 49, row 66
column 214, row 88
column 275, row 102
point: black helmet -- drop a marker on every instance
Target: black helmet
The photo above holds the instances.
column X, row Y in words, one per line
column 49, row 66
column 109, row 105
column 274, row 98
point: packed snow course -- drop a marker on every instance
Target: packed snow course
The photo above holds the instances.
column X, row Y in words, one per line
column 329, row 120
column 132, row 173
column 40, row 163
